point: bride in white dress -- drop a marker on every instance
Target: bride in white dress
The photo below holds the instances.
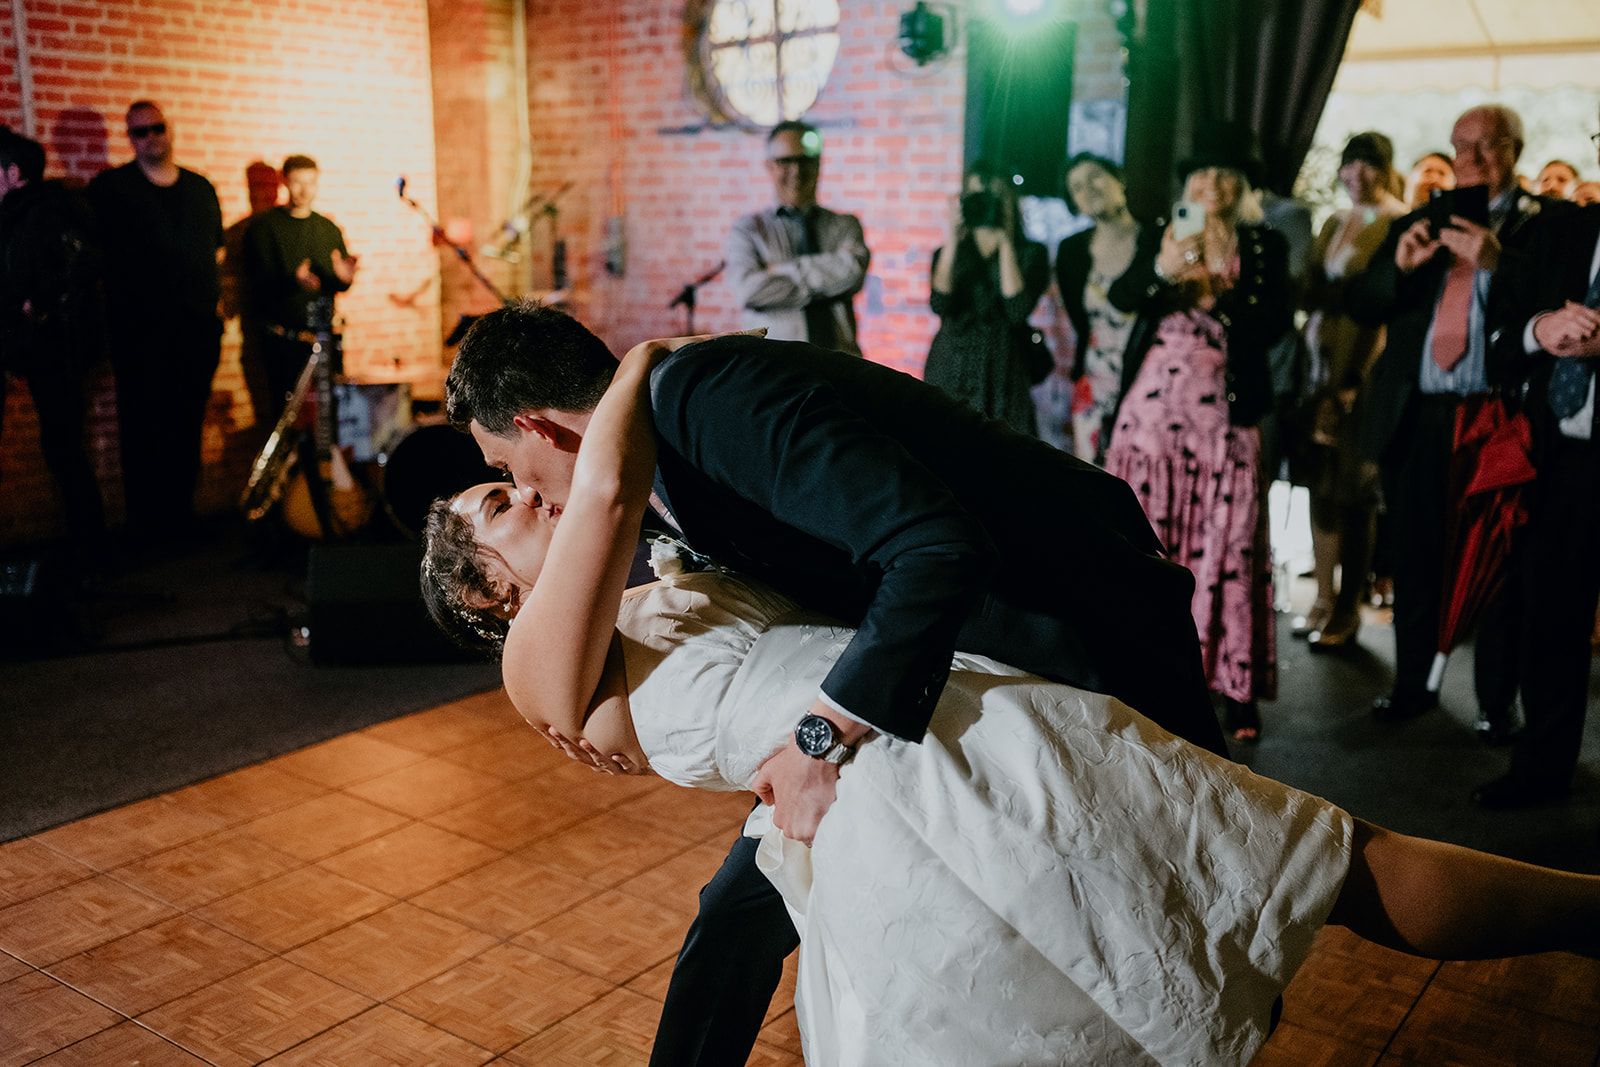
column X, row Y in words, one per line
column 1046, row 878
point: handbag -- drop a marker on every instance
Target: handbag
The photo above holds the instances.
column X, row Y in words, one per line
column 1027, row 344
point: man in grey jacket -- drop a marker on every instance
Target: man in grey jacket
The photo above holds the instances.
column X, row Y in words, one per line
column 796, row 266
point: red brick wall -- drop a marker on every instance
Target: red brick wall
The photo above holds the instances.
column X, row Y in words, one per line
column 348, row 83
column 611, row 109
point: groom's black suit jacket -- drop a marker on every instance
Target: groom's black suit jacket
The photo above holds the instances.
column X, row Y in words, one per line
column 868, row 495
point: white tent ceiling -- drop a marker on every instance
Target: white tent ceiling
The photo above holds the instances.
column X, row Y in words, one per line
column 1489, row 44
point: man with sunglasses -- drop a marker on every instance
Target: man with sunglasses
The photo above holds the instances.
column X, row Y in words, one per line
column 797, row 266
column 162, row 230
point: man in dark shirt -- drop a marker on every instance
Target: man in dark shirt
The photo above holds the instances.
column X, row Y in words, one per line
column 162, row 228
column 50, row 322
column 292, row 256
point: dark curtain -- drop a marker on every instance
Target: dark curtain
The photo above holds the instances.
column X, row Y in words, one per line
column 1269, row 63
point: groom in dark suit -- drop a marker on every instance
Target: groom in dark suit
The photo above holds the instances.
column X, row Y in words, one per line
column 865, row 494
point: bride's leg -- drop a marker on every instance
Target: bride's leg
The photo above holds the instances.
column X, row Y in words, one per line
column 1448, row 902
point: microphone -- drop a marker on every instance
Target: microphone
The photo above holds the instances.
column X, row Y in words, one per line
column 400, row 185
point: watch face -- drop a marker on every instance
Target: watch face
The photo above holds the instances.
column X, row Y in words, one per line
column 814, row 735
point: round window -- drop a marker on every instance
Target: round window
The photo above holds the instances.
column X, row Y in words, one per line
column 761, row 61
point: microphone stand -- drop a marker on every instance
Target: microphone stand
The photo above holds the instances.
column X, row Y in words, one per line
column 461, row 253
column 686, row 296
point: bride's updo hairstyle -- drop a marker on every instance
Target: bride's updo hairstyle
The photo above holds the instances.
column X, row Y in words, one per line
column 453, row 572
column 524, row 357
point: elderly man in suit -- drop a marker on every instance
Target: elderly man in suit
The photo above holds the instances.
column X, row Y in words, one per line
column 796, row 266
column 1546, row 316
column 1431, row 286
column 874, row 498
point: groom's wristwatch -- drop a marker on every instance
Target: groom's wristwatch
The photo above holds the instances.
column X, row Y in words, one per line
column 816, row 737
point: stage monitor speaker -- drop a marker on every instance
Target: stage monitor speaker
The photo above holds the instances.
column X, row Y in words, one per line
column 366, row 607
column 1019, row 98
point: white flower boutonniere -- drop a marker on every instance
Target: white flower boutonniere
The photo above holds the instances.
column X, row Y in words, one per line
column 665, row 557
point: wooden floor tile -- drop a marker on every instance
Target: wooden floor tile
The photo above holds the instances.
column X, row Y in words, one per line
column 606, row 850
column 653, row 983
column 28, row 868
column 515, row 755
column 322, row 826
column 507, row 896
column 615, row 1031
column 502, row 997
column 441, row 729
column 513, row 816
column 1555, row 983
column 391, row 951
column 692, row 814
column 11, row 967
column 1352, row 1001
column 152, row 966
column 124, row 1045
column 255, row 1014
column 605, row 791
column 346, row 760
column 1448, row 1026
column 612, row 935
column 1295, row 1046
column 247, row 794
column 294, row 908
column 426, row 787
column 383, row 1037
column 39, row 1015
column 206, row 868
column 410, row 859
column 75, row 918
column 765, row 1055
column 677, row 882
column 130, row 832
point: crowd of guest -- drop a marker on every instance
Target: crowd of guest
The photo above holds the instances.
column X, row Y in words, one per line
column 1212, row 352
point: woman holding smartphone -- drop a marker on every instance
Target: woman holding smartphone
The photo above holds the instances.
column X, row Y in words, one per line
column 1211, row 291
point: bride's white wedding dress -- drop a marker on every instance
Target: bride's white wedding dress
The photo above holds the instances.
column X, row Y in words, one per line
column 1048, row 878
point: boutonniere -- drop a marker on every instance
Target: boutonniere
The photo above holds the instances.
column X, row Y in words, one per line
column 666, row 559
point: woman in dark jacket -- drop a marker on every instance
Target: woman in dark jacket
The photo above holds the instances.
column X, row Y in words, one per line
column 1087, row 265
column 1195, row 383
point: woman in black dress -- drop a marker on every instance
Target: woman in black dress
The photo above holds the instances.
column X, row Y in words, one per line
column 983, row 294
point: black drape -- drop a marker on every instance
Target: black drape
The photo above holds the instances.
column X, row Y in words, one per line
column 1268, row 63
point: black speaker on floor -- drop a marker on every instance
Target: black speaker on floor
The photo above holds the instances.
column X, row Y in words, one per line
column 366, row 607
column 1019, row 95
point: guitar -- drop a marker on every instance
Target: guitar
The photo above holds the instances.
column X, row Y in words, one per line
column 301, row 466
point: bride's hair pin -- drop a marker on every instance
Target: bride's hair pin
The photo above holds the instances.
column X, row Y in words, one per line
column 452, row 573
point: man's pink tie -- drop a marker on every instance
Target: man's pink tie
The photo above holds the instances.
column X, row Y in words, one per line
column 1451, row 317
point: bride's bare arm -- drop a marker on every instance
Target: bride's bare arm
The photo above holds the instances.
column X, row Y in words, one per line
column 558, row 646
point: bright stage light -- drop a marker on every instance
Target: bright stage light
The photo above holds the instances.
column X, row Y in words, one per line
column 1022, row 8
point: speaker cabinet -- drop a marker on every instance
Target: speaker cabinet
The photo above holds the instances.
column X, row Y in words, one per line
column 366, row 607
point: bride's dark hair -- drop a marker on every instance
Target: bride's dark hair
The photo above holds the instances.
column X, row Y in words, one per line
column 452, row 569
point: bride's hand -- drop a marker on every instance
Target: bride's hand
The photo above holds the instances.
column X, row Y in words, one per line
column 584, row 752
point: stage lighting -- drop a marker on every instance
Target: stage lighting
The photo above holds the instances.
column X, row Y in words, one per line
column 1022, row 16
column 922, row 34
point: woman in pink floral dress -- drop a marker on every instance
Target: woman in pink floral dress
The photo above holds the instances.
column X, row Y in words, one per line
column 1195, row 383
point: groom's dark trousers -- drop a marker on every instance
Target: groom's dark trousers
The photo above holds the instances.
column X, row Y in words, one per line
column 867, row 495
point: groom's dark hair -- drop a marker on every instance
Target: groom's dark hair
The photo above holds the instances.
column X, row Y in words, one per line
column 524, row 357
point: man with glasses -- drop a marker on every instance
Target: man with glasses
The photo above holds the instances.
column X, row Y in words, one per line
column 796, row 266
column 162, row 229
column 1430, row 284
